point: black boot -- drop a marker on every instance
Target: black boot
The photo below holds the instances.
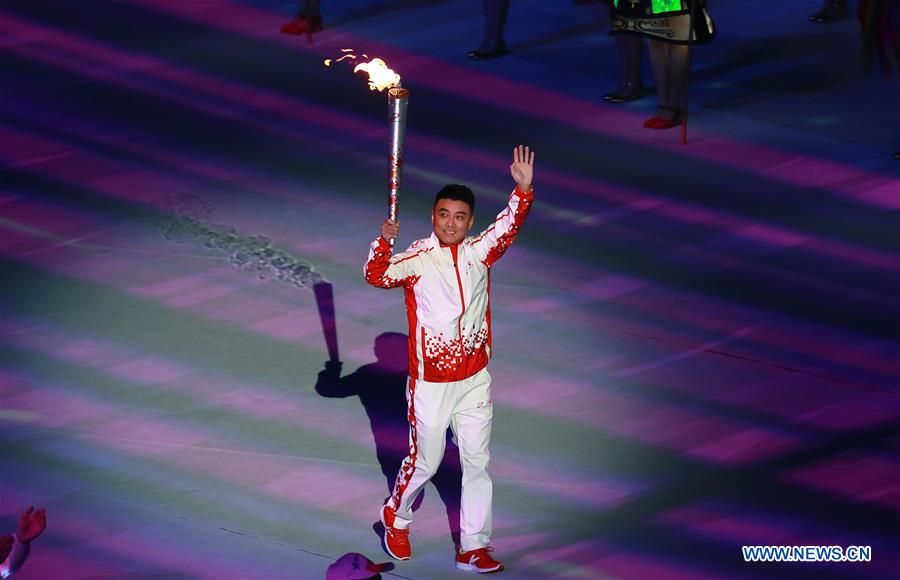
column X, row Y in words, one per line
column 832, row 11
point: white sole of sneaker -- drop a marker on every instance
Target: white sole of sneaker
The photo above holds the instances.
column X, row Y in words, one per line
column 477, row 570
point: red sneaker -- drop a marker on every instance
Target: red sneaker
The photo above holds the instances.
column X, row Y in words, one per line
column 478, row 561
column 396, row 541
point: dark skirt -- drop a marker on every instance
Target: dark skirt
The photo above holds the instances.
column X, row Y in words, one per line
column 636, row 17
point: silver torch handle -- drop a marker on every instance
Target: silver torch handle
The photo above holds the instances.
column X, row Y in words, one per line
column 398, row 99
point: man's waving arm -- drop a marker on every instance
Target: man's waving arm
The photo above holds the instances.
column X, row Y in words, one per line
column 493, row 242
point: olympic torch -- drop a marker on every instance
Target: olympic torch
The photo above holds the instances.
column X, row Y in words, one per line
column 380, row 78
column 398, row 99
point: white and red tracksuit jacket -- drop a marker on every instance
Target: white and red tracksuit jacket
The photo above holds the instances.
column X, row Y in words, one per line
column 447, row 291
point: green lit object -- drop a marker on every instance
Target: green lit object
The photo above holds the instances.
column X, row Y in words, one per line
column 659, row 6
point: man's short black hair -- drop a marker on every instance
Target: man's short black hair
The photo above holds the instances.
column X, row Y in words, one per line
column 457, row 192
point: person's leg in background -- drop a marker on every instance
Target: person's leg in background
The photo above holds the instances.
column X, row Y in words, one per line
column 670, row 67
column 629, row 48
column 492, row 45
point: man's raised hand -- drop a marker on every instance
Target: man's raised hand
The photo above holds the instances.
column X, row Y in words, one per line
column 522, row 168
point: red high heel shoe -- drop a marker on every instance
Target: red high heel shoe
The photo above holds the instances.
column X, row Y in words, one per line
column 660, row 123
column 300, row 25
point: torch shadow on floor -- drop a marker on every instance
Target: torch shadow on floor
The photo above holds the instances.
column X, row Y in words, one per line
column 381, row 388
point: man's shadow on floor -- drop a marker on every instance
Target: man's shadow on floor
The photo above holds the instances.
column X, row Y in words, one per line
column 381, row 388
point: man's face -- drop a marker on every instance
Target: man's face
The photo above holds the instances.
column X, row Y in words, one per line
column 452, row 220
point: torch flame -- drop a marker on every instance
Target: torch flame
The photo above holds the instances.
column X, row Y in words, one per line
column 380, row 76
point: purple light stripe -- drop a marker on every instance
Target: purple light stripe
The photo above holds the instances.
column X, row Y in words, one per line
column 164, row 79
column 563, row 483
column 825, row 407
column 792, row 336
column 309, row 484
column 730, row 526
column 511, row 540
column 645, row 308
column 643, row 419
column 66, row 562
column 180, row 85
column 789, row 167
column 736, row 524
column 858, row 477
column 245, row 96
column 55, row 407
column 116, row 179
column 682, row 354
column 774, row 236
column 199, row 450
column 51, row 226
column 151, row 544
column 31, row 402
column 796, row 336
column 254, row 400
column 883, row 260
column 167, row 551
column 128, row 272
column 605, row 560
column 172, row 155
column 102, row 537
column 807, row 401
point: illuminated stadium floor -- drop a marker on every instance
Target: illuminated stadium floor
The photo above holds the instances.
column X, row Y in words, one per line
column 695, row 347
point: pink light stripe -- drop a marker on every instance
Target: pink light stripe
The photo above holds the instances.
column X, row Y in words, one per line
column 197, row 450
column 122, row 270
column 134, row 434
column 30, row 402
column 689, row 432
column 254, row 400
column 805, row 171
column 596, row 491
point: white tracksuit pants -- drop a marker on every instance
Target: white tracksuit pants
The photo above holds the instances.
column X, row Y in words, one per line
column 467, row 408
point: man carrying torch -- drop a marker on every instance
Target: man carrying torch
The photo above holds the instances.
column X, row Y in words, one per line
column 446, row 283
